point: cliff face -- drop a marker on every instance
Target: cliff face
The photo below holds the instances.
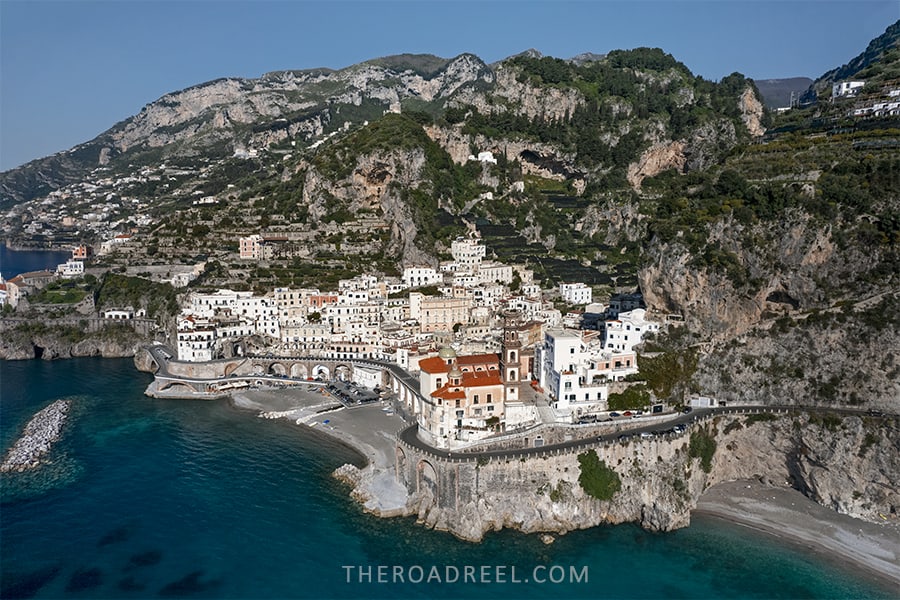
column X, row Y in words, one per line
column 793, row 264
column 50, row 339
column 49, row 347
column 299, row 99
column 846, row 464
column 374, row 187
column 821, row 358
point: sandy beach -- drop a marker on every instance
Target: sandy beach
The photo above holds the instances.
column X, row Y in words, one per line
column 787, row 514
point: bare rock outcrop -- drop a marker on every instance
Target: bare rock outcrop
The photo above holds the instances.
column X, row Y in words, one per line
column 752, row 111
column 373, row 186
column 846, row 463
column 655, row 160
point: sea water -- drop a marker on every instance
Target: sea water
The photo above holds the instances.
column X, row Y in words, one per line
column 150, row 498
column 13, row 262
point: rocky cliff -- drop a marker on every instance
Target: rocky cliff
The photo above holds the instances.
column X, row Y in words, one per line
column 51, row 340
column 845, row 463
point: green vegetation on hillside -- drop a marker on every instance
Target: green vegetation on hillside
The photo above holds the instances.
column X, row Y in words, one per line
column 703, row 446
column 119, row 291
column 596, row 479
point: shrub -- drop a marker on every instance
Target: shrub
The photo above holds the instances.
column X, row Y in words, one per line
column 760, row 418
column 596, row 479
column 702, row 446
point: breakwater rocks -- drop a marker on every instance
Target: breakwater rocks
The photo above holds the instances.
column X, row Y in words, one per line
column 41, row 432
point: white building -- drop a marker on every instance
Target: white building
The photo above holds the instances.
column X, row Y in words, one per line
column 71, row 268
column 575, row 293
column 196, row 339
column 484, row 157
column 494, row 272
column 575, row 371
column 421, row 276
column 468, row 252
column 622, row 303
column 628, row 330
column 846, row 89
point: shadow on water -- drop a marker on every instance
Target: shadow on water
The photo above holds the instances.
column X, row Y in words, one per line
column 30, row 584
column 84, row 579
column 117, row 535
column 144, row 559
column 130, row 584
column 188, row 585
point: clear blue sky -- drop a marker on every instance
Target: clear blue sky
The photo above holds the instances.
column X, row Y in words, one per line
column 70, row 70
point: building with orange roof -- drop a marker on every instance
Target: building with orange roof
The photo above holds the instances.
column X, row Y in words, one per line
column 461, row 406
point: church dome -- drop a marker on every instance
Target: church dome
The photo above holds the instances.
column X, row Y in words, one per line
column 447, row 353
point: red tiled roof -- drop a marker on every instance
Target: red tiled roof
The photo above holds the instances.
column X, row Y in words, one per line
column 478, row 359
column 481, row 378
column 434, row 364
column 445, row 393
column 469, row 380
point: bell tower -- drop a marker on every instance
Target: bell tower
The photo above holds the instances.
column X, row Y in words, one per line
column 511, row 356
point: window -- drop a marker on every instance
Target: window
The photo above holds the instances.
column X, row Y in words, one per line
column 457, row 404
column 489, row 397
column 476, row 398
column 568, row 385
column 571, row 350
column 490, row 409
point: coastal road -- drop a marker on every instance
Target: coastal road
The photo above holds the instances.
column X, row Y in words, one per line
column 656, row 429
column 162, row 354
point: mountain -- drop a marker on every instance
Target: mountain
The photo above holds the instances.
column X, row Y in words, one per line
column 215, row 118
column 778, row 93
column 777, row 253
column 878, row 64
column 869, row 63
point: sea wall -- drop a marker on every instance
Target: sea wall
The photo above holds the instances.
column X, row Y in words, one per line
column 38, row 437
column 844, row 463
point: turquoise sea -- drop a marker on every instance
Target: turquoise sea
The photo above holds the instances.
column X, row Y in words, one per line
column 194, row 499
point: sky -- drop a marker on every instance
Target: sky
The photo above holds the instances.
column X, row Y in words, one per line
column 70, row 70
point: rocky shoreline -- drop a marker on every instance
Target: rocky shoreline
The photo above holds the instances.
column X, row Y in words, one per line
column 41, row 432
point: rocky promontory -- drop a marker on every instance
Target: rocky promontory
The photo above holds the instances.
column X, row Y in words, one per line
column 41, row 432
column 845, row 463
